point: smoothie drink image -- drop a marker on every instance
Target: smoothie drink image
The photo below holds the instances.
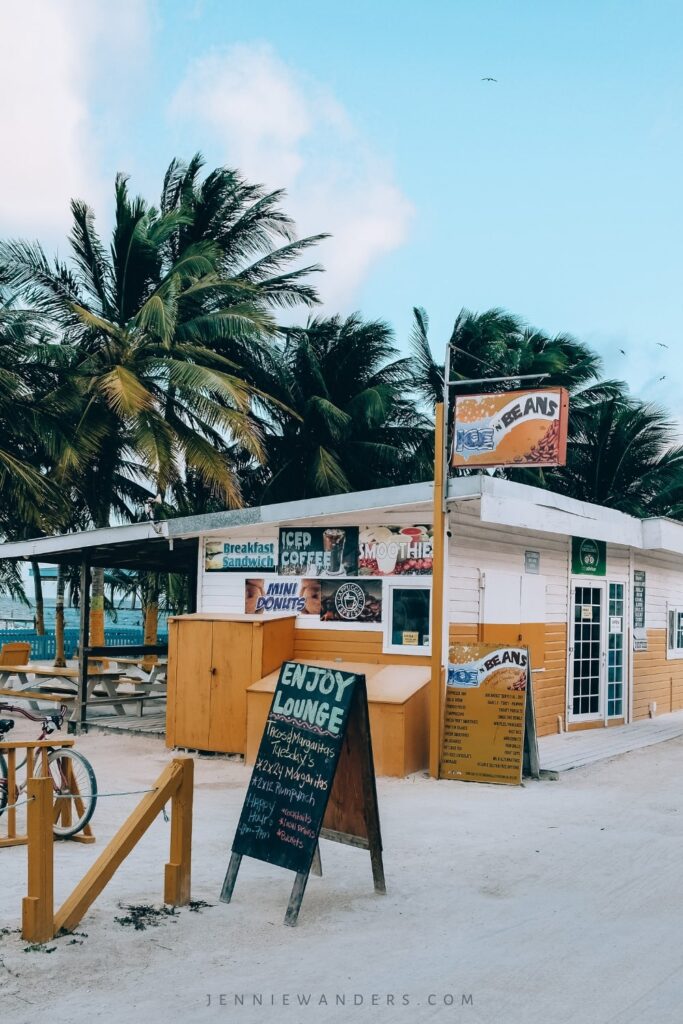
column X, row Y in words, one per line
column 333, row 547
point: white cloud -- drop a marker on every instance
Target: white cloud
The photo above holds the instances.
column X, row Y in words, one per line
column 284, row 130
column 51, row 54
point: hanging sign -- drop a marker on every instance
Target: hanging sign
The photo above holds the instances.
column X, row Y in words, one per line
column 589, row 557
column 236, row 556
column 318, row 551
column 485, row 712
column 314, row 767
column 512, row 428
column 395, row 551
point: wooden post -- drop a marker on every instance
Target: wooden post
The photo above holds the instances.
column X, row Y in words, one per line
column 37, row 910
column 84, row 643
column 436, row 632
column 177, row 873
column 134, row 827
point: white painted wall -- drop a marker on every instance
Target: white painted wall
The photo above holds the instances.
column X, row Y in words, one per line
column 487, row 579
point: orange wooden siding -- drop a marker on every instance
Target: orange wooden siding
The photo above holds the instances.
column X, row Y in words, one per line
column 547, row 643
column 351, row 645
column 656, row 678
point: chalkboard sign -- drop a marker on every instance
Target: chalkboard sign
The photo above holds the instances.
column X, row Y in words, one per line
column 317, row 715
column 294, row 771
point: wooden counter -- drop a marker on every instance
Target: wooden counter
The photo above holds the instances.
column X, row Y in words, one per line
column 398, row 699
column 212, row 659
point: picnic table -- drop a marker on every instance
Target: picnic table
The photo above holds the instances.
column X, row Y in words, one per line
column 67, row 677
column 152, row 681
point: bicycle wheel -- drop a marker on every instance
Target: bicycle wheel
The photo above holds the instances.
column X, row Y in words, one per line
column 72, row 774
column 3, row 784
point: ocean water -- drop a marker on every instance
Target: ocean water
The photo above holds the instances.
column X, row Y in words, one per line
column 122, row 617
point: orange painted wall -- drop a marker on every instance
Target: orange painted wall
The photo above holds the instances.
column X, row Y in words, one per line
column 351, row 645
column 655, row 678
column 547, row 643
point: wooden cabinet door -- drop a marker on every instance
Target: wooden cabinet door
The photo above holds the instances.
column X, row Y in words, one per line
column 230, row 677
column 192, row 701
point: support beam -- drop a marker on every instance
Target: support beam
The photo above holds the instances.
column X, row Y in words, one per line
column 84, row 643
column 436, row 631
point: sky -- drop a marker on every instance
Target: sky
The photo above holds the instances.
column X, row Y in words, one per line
column 554, row 191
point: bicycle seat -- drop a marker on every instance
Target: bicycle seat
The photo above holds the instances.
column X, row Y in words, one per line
column 6, row 724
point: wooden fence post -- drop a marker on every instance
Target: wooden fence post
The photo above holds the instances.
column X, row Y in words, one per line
column 177, row 873
column 37, row 909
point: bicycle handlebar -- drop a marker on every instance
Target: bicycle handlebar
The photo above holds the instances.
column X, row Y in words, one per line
column 57, row 721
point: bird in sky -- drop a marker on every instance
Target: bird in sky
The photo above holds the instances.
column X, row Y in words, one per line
column 662, row 345
column 622, row 351
column 489, row 79
column 663, row 378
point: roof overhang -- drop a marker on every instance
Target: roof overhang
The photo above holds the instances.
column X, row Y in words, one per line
column 171, row 545
column 144, row 546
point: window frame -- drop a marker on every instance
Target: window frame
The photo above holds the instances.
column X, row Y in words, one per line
column 674, row 653
column 404, row 583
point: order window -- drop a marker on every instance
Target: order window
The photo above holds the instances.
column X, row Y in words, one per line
column 409, row 619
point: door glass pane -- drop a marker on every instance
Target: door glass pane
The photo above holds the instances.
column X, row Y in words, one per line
column 586, row 670
column 615, row 653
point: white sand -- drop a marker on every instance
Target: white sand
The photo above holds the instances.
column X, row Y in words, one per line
column 556, row 902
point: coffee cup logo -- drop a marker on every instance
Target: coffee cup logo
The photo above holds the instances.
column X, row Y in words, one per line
column 349, row 601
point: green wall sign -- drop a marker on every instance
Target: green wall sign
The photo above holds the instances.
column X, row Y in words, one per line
column 589, row 557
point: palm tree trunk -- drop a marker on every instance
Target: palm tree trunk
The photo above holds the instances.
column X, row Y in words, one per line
column 151, row 618
column 40, row 607
column 97, row 608
column 60, row 660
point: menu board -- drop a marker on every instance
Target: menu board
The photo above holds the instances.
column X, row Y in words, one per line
column 291, row 782
column 638, row 599
column 318, row 551
column 483, row 737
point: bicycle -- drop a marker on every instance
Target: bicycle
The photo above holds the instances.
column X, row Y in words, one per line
column 72, row 774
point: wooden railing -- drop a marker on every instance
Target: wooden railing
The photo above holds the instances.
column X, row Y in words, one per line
column 35, row 750
column 39, row 921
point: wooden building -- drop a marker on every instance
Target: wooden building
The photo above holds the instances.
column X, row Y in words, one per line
column 597, row 596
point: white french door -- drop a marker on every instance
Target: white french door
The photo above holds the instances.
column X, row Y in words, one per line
column 597, row 653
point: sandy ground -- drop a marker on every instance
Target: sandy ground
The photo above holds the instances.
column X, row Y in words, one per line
column 556, row 902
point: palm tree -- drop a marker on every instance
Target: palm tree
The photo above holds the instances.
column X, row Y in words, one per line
column 624, row 455
column 498, row 344
column 153, row 397
column 340, row 416
column 154, row 331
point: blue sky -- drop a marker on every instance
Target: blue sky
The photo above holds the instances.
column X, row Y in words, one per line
column 555, row 192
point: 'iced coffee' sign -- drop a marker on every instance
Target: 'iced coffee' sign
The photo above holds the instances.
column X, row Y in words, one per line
column 513, row 428
column 318, row 551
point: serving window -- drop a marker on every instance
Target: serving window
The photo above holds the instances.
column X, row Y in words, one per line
column 407, row 617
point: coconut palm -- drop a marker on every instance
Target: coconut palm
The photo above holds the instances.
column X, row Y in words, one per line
column 345, row 420
column 624, row 455
column 153, row 397
column 497, row 343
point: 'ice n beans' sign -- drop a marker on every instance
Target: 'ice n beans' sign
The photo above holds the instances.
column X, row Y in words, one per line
column 513, row 428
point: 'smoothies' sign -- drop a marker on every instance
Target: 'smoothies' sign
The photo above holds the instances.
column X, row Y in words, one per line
column 513, row 428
